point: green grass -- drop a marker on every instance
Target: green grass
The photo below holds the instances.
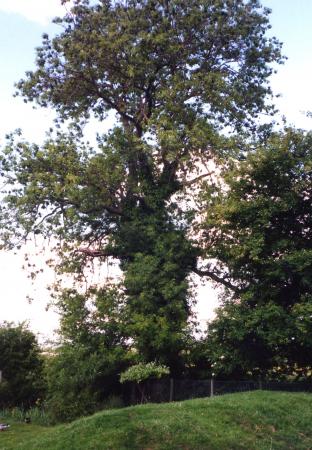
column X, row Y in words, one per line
column 36, row 415
column 255, row 420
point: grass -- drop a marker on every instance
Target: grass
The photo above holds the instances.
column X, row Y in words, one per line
column 36, row 415
column 253, row 421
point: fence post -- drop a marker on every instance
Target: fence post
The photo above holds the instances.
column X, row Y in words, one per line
column 0, row 376
column 171, row 390
column 211, row 387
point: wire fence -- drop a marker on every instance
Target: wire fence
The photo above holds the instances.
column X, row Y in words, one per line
column 166, row 390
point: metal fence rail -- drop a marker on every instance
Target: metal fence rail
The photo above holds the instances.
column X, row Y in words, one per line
column 159, row 391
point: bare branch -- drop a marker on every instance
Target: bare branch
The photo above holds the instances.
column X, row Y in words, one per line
column 194, row 180
column 96, row 253
column 58, row 208
column 217, row 278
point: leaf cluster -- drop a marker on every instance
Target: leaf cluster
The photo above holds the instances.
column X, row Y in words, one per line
column 142, row 372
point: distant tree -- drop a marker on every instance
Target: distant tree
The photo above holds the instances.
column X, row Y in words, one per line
column 21, row 365
column 174, row 73
column 258, row 230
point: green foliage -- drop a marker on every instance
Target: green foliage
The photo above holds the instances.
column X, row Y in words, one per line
column 197, row 357
column 142, row 372
column 263, row 247
column 251, row 421
column 21, row 365
column 83, row 373
column 253, row 342
column 158, row 296
column 175, row 74
column 37, row 414
column 156, row 71
column 71, row 374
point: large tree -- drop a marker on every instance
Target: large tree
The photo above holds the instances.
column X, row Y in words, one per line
column 260, row 224
column 175, row 73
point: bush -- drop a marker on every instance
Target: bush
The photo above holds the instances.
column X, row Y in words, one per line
column 21, row 365
column 142, row 372
column 81, row 380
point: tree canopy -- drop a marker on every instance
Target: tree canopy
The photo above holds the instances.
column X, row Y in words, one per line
column 260, row 221
column 175, row 74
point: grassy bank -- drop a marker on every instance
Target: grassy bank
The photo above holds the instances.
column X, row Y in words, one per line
column 256, row 420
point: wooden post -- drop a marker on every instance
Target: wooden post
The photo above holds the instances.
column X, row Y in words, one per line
column 171, row 390
column 211, row 387
column 0, row 376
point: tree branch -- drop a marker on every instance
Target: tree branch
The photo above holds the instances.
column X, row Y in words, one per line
column 215, row 277
column 47, row 216
column 194, row 180
column 96, row 253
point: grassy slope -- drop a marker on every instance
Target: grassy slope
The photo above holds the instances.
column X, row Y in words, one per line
column 257, row 420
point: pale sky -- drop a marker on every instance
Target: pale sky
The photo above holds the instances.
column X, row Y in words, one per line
column 37, row 11
column 22, row 23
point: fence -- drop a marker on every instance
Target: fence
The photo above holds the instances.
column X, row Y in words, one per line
column 159, row 391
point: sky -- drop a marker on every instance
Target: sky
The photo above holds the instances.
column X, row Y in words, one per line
column 22, row 22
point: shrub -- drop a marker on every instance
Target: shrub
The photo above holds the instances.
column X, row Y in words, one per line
column 142, row 372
